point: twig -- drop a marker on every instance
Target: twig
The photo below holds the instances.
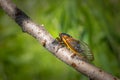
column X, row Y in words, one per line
column 39, row 32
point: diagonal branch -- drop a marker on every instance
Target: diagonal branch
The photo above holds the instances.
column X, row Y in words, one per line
column 39, row 32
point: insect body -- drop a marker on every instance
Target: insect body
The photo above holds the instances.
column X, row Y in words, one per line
column 77, row 47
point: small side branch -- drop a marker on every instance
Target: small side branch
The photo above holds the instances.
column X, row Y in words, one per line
column 39, row 32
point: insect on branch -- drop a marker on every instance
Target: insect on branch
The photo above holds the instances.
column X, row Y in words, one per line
column 40, row 33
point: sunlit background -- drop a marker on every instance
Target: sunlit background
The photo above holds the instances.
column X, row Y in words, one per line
column 96, row 22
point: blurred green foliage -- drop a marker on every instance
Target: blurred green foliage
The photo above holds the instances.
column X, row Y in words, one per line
column 96, row 22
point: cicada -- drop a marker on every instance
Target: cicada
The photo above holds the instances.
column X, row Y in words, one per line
column 77, row 47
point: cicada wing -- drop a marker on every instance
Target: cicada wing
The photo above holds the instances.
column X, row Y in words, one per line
column 76, row 47
column 86, row 51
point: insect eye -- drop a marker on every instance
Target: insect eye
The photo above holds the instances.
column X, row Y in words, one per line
column 64, row 34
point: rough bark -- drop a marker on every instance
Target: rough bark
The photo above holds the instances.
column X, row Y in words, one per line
column 39, row 32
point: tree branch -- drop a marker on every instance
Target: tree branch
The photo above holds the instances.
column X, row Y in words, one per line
column 39, row 32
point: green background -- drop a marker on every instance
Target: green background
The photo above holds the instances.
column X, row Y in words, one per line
column 96, row 22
